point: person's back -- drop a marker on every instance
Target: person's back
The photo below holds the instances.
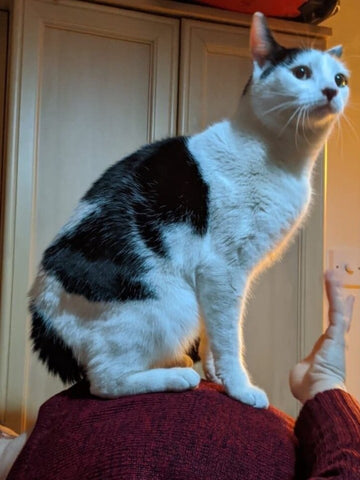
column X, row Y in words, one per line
column 203, row 433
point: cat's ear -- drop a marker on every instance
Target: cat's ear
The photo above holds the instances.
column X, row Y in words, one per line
column 336, row 51
column 262, row 43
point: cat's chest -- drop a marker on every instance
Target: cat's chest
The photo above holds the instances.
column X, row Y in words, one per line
column 262, row 209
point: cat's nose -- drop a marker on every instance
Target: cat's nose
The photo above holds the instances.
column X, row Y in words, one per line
column 329, row 93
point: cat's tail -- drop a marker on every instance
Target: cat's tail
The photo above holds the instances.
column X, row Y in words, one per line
column 52, row 351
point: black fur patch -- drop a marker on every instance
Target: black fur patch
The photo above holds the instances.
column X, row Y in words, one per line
column 173, row 190
column 160, row 184
column 247, row 86
column 193, row 352
column 52, row 351
column 280, row 56
column 81, row 263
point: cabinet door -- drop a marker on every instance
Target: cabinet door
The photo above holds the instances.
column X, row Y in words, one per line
column 3, row 57
column 3, row 65
column 284, row 313
column 96, row 83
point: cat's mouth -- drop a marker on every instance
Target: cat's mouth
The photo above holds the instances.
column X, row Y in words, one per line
column 324, row 110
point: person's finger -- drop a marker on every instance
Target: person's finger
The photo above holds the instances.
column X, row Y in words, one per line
column 349, row 307
column 333, row 277
column 337, row 304
column 332, row 286
column 340, row 319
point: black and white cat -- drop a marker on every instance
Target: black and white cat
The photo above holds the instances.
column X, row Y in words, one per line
column 179, row 228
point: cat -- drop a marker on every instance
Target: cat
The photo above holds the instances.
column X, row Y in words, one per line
column 163, row 246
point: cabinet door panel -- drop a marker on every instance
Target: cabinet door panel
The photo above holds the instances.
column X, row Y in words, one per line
column 284, row 312
column 96, row 84
column 3, row 65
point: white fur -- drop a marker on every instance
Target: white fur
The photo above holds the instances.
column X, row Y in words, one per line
column 258, row 167
column 82, row 211
column 259, row 170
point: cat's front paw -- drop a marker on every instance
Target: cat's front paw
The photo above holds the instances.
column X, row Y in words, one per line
column 208, row 367
column 249, row 394
column 182, row 379
column 212, row 377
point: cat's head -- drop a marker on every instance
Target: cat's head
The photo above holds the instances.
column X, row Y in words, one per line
column 293, row 86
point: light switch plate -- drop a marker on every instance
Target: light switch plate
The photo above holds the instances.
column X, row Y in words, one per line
column 346, row 261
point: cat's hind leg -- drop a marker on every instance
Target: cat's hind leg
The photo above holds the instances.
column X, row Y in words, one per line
column 174, row 379
column 141, row 347
column 182, row 361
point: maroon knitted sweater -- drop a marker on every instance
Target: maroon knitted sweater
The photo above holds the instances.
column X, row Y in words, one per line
column 200, row 434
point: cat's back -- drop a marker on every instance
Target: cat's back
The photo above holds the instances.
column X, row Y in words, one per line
column 121, row 223
column 128, row 246
column 164, row 175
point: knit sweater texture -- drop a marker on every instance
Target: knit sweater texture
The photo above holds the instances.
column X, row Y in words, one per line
column 199, row 434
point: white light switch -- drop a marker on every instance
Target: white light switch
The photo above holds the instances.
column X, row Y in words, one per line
column 346, row 261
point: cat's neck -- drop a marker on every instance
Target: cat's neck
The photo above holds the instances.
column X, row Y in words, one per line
column 294, row 147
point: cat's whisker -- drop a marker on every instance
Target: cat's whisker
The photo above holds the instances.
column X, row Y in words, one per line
column 271, row 93
column 353, row 106
column 289, row 121
column 352, row 128
column 297, row 128
column 307, row 43
column 282, row 106
column 299, row 125
column 283, row 93
column 309, row 124
column 339, row 138
column 303, row 42
column 304, row 117
column 306, row 124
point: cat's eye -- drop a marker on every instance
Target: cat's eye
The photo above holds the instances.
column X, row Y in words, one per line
column 341, row 80
column 302, row 72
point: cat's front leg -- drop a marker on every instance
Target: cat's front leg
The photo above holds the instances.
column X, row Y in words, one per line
column 207, row 357
column 220, row 290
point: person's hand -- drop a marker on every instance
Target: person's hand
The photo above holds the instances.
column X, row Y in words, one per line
column 10, row 447
column 324, row 368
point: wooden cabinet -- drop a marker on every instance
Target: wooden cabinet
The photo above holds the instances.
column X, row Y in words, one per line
column 3, row 67
column 284, row 312
column 95, row 84
column 89, row 84
column 3, row 63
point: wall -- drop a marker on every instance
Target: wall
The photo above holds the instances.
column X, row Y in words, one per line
column 343, row 171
